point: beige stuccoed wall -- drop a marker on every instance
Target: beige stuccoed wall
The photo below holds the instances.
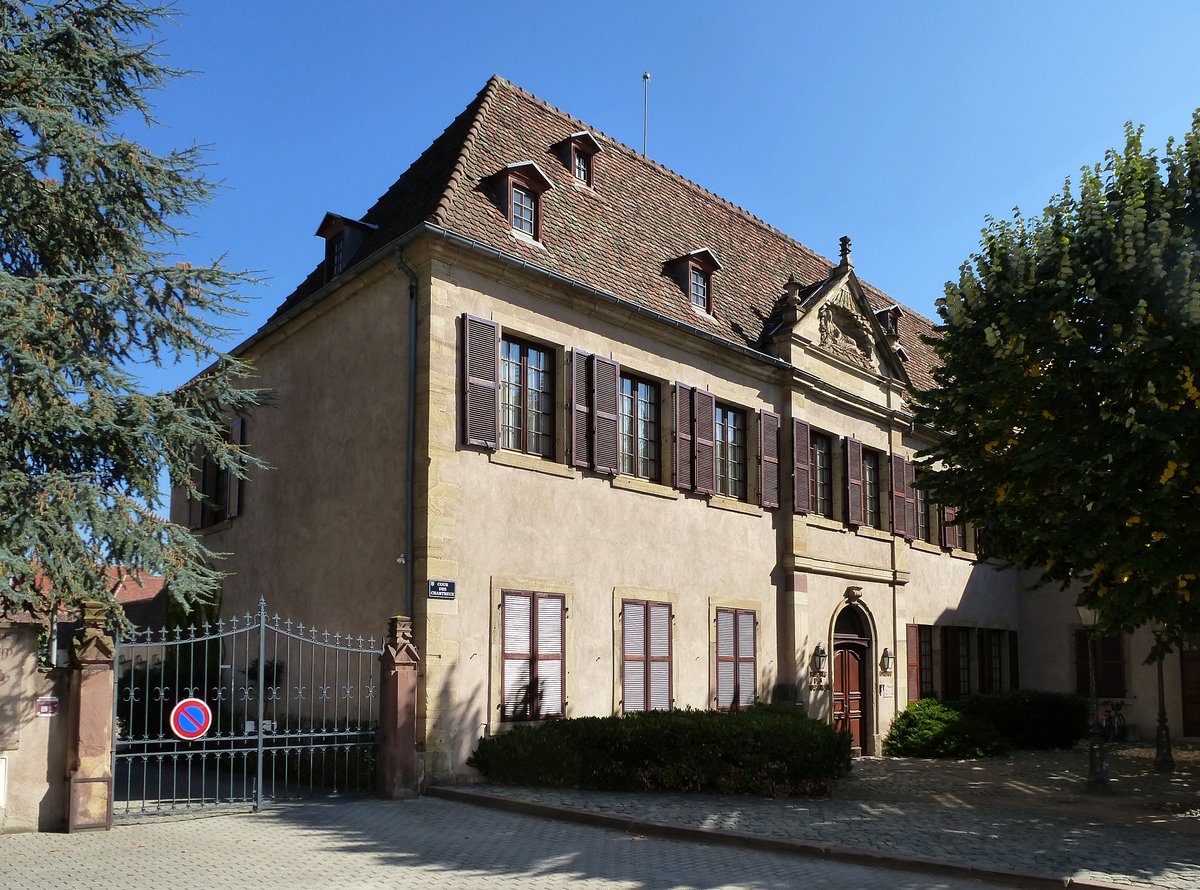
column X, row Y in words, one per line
column 321, row 530
column 505, row 521
column 33, row 749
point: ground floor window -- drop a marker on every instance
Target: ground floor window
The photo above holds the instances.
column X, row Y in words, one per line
column 534, row 667
column 645, row 656
column 737, row 670
column 1110, row 665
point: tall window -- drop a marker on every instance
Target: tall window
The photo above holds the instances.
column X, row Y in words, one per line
column 731, row 452
column 526, row 398
column 699, row 288
column 1110, row 665
column 645, row 656
column 534, row 669
column 736, row 668
column 524, row 211
column 582, row 167
column 924, row 530
column 821, row 480
column 925, row 637
column 991, row 642
column 871, row 489
column 639, row 428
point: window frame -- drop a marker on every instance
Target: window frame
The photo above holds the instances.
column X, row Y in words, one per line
column 872, row 488
column 534, row 711
column 522, row 405
column 925, row 660
column 817, row 479
column 584, row 158
column 647, row 658
column 723, row 460
column 518, row 186
column 698, row 275
column 653, row 439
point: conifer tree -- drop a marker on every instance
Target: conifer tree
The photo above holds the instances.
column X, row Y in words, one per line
column 89, row 296
column 1069, row 389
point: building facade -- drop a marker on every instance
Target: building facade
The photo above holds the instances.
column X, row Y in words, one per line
column 615, row 444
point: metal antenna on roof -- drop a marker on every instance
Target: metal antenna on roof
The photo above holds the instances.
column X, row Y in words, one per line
column 645, row 107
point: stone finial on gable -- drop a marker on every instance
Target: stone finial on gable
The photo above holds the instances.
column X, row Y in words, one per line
column 844, row 241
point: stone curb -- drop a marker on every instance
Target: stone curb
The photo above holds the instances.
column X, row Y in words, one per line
column 871, row 858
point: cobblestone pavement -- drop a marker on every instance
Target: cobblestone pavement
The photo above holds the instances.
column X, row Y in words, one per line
column 1031, row 813
column 425, row 843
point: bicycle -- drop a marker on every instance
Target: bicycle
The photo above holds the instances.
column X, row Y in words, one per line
column 1112, row 722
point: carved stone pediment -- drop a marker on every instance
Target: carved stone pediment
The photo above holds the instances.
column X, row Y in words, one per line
column 845, row 332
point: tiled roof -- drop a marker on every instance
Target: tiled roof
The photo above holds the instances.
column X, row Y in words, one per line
column 616, row 238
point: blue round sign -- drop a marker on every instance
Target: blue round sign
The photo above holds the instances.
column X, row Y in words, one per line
column 191, row 719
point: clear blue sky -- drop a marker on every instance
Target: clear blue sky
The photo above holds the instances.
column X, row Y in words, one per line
column 900, row 124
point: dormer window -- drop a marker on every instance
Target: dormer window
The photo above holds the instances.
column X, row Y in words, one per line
column 693, row 272
column 520, row 188
column 343, row 237
column 889, row 319
column 578, row 152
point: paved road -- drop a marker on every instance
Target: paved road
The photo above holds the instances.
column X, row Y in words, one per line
column 426, row 843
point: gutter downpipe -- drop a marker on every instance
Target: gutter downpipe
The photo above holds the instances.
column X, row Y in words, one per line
column 410, row 433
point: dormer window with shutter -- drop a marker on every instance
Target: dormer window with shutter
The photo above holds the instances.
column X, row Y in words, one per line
column 519, row 191
column 693, row 272
column 578, row 152
column 343, row 237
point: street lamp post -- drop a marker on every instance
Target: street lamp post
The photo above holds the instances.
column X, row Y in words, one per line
column 1097, row 768
column 1164, row 761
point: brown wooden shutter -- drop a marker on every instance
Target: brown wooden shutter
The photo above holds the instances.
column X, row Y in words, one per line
column 1014, row 661
column 951, row 685
column 518, row 693
column 983, row 660
column 233, row 500
column 912, row 643
column 900, row 508
column 854, row 482
column 910, row 502
column 726, row 658
column 551, row 666
column 481, row 382
column 704, row 440
column 684, row 477
column 950, row 528
column 1082, row 678
column 633, row 655
column 581, row 414
column 606, row 398
column 747, row 672
column 768, row 459
column 658, row 644
column 1110, row 667
column 802, row 468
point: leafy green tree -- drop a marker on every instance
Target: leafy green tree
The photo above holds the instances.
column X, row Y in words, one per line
column 88, row 298
column 1069, row 389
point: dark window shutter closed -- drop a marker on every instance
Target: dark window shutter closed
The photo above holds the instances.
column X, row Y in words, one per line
column 580, row 409
column 659, row 643
column 951, row 677
column 517, row 702
column 950, row 528
column 726, row 658
column 747, row 671
column 481, row 379
column 606, row 394
column 801, row 467
column 633, row 671
column 910, row 501
column 768, row 464
column 237, row 436
column 551, row 668
column 854, row 482
column 912, row 638
column 1014, row 661
column 684, row 478
column 704, row 441
column 900, row 497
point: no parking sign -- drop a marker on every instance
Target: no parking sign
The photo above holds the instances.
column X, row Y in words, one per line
column 191, row 719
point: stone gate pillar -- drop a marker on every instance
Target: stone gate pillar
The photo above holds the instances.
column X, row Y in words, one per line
column 90, row 755
column 398, row 712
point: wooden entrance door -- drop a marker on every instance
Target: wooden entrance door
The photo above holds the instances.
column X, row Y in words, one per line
column 849, row 681
column 1190, row 675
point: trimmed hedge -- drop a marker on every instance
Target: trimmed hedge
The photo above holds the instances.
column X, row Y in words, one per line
column 985, row 725
column 763, row 750
column 930, row 728
column 1029, row 719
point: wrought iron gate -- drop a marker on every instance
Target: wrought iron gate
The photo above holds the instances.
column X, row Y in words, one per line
column 294, row 713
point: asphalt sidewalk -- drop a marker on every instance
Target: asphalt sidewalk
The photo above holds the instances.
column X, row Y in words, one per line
column 1027, row 819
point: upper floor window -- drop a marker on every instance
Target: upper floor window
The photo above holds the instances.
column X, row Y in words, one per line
column 524, row 211
column 582, row 167
column 924, row 529
column 220, row 486
column 526, row 398
column 578, row 152
column 731, row 452
column 520, row 189
column 870, row 465
column 821, row 474
column 639, row 428
column 699, row 281
column 694, row 272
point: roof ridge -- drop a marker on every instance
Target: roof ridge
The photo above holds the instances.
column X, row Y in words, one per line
column 638, row 156
column 484, row 98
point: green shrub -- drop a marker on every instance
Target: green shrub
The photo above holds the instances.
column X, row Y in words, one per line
column 1029, row 719
column 765, row 750
column 929, row 728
